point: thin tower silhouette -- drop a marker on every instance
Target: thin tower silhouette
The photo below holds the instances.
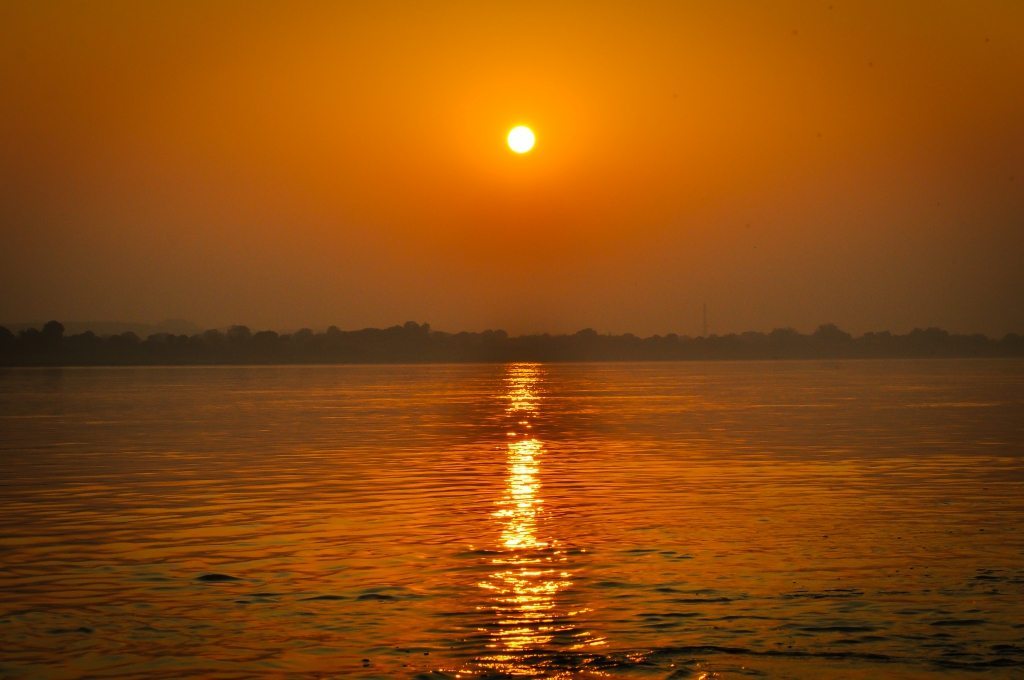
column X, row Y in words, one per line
column 705, row 319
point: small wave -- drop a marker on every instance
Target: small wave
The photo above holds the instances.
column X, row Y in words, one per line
column 217, row 578
column 959, row 622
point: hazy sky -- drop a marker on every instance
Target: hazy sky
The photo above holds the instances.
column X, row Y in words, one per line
column 303, row 164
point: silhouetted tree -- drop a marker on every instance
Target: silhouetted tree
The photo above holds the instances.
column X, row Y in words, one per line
column 830, row 333
column 53, row 331
column 239, row 335
column 213, row 337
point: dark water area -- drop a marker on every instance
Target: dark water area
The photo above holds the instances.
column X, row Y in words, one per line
column 838, row 519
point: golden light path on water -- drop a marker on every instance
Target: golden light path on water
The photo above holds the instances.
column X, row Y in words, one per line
column 531, row 568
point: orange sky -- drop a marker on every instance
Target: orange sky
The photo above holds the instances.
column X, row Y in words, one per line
column 304, row 164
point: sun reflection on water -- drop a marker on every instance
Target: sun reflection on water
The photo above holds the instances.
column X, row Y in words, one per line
column 531, row 569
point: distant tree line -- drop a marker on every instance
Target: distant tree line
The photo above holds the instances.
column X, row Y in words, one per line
column 417, row 343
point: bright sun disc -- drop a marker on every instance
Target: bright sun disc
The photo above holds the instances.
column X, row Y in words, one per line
column 520, row 139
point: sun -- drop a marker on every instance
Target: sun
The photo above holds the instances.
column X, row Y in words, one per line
column 521, row 139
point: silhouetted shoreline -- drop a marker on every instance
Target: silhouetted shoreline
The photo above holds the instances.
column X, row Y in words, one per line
column 418, row 343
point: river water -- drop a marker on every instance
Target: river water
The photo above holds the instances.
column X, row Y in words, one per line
column 841, row 519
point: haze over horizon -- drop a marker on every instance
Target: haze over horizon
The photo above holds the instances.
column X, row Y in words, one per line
column 287, row 166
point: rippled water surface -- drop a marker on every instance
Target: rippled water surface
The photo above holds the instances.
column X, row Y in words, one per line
column 669, row 520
